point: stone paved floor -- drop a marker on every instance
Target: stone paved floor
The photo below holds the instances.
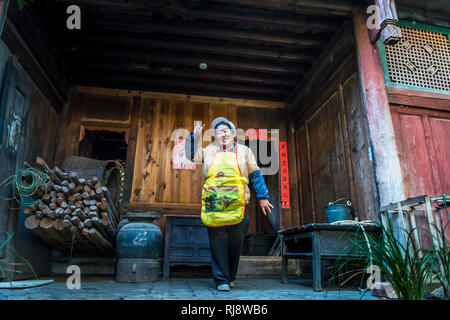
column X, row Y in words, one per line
column 105, row 288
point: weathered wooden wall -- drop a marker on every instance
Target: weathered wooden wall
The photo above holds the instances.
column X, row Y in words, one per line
column 150, row 126
column 154, row 179
column 331, row 136
column 335, row 161
column 408, row 131
column 156, row 184
column 28, row 127
column 35, row 87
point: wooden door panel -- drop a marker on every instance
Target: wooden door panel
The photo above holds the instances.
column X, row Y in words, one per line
column 422, row 140
column 440, row 128
column 306, row 208
column 334, row 156
column 414, row 156
column 328, row 168
column 365, row 200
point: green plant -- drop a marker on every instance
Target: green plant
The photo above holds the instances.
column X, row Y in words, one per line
column 442, row 254
column 345, row 269
column 20, row 3
column 9, row 277
column 396, row 260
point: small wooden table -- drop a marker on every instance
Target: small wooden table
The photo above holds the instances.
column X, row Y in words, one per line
column 317, row 241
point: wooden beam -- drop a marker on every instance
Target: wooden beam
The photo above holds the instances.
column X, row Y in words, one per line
column 170, row 57
column 131, row 24
column 183, row 91
column 214, row 11
column 323, row 8
column 234, row 76
column 417, row 98
column 166, row 208
column 142, row 86
column 422, row 16
column 181, row 44
column 430, row 12
column 178, row 97
column 187, row 83
column 209, row 31
column 388, row 170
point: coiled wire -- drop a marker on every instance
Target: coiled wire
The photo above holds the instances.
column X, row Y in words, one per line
column 26, row 183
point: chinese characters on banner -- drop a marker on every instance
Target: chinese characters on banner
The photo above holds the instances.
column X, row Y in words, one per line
column 179, row 159
column 284, row 174
column 261, row 134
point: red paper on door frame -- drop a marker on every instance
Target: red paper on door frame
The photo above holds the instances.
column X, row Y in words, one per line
column 284, row 175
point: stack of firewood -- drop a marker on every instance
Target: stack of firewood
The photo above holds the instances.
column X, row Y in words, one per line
column 73, row 214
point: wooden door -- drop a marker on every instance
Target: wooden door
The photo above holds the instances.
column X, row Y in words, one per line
column 334, row 156
column 422, row 138
column 259, row 223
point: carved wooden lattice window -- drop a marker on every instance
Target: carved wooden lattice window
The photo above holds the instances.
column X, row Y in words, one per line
column 420, row 59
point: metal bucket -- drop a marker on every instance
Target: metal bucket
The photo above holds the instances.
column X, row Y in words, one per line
column 338, row 212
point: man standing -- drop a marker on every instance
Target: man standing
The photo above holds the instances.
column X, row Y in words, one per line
column 228, row 167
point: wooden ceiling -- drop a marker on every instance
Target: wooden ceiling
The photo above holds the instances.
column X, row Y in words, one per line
column 254, row 49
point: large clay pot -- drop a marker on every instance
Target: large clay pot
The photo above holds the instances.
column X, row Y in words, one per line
column 139, row 248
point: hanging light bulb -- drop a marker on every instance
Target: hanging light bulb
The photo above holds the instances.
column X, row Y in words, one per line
column 203, row 66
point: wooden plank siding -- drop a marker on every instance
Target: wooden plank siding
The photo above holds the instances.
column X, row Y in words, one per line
column 154, row 179
column 27, row 130
column 332, row 146
column 151, row 183
column 334, row 162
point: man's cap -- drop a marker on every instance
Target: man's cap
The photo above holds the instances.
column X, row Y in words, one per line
column 222, row 120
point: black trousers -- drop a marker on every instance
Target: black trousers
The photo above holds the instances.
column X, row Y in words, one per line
column 226, row 247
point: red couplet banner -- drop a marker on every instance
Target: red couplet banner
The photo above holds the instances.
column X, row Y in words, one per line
column 179, row 158
column 284, row 175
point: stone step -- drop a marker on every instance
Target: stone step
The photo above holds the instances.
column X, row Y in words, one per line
column 264, row 266
column 249, row 266
column 88, row 265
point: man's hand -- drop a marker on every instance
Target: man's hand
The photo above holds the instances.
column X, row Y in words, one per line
column 265, row 206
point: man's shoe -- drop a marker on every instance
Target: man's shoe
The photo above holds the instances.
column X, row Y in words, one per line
column 223, row 287
column 232, row 284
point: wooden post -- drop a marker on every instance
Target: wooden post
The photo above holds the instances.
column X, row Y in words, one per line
column 381, row 131
column 416, row 234
column 433, row 226
column 131, row 150
column 403, row 229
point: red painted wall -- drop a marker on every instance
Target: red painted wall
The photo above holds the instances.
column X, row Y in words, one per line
column 423, row 142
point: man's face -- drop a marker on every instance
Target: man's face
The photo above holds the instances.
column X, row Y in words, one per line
column 224, row 135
